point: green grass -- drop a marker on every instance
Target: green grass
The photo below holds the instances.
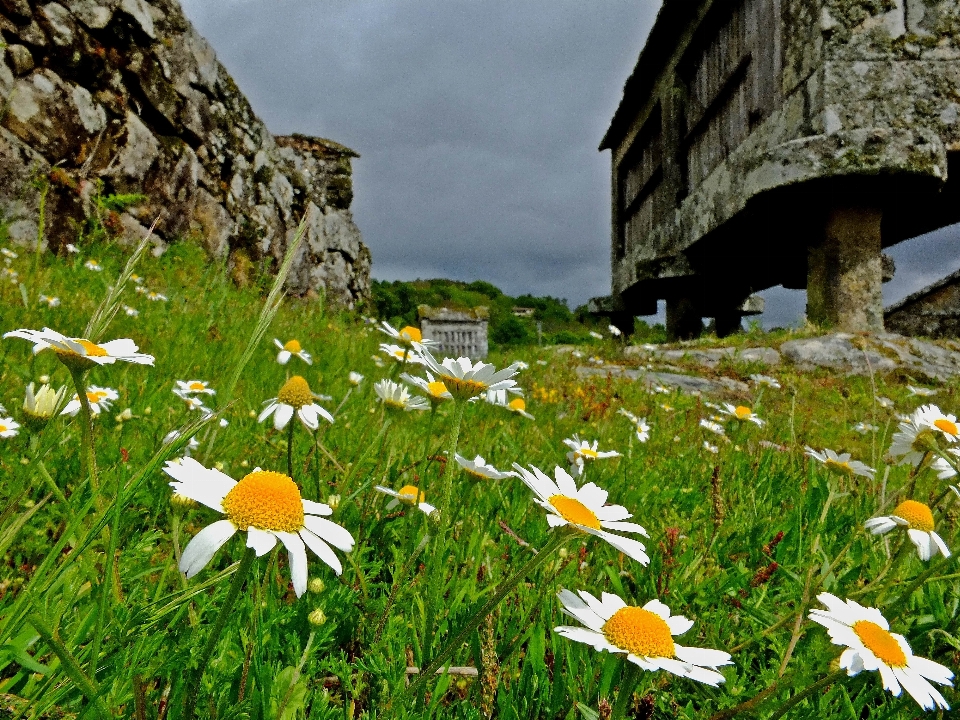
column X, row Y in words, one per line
column 84, row 630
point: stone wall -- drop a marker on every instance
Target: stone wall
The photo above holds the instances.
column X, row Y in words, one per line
column 123, row 96
column 932, row 312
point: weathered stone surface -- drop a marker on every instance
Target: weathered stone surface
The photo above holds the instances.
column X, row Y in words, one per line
column 709, row 357
column 931, row 312
column 125, row 96
column 691, row 384
column 836, row 352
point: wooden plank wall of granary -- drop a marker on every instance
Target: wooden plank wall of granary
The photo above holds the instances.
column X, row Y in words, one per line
column 732, row 78
column 644, row 197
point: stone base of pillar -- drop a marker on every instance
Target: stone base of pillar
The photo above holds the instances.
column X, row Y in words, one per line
column 727, row 324
column 844, row 272
column 684, row 321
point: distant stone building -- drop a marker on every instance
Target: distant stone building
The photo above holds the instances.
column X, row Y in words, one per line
column 932, row 312
column 780, row 142
column 460, row 333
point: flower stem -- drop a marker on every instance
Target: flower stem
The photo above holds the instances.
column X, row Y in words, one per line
column 558, row 537
column 451, row 471
column 193, row 689
column 627, row 684
column 290, row 448
column 88, row 455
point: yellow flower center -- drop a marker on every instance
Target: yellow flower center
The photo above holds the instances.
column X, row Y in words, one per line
column 574, row 511
column 411, row 334
column 742, row 412
column 295, row 392
column 197, row 386
column 463, row 388
column 95, row 397
column 837, row 465
column 436, row 388
column 880, row 642
column 3, row 428
column 293, row 346
column 948, row 427
column 410, row 494
column 641, row 632
column 917, row 515
column 265, row 500
column 517, row 404
column 89, row 349
column 588, row 453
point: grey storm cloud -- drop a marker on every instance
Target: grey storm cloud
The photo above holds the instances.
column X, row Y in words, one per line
column 478, row 123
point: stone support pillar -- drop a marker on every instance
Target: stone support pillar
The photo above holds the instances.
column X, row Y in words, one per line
column 684, row 321
column 844, row 272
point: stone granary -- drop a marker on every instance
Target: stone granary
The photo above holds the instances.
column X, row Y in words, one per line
column 108, row 97
column 780, row 142
column 932, row 312
column 460, row 333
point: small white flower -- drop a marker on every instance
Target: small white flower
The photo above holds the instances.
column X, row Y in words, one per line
column 645, row 634
column 596, row 335
column 884, row 402
column 840, row 462
column 130, row 312
column 406, row 336
column 759, row 379
column 191, row 445
column 100, row 399
column 871, row 646
column 93, row 265
column 7, row 253
column 289, row 349
column 640, row 425
column 72, row 249
column 614, row 330
column 708, row 447
column 713, row 427
column 920, row 391
column 408, row 494
column 156, row 297
column 582, row 451
column 73, row 349
column 917, row 518
column 865, row 428
column 192, row 403
column 8, row 428
column 465, row 379
column 194, row 387
column 741, row 413
column 397, row 397
column 49, row 300
column 355, row 378
column 294, row 396
column 480, row 468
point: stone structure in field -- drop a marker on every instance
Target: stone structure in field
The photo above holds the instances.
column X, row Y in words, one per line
column 123, row 96
column 932, row 312
column 461, row 333
column 781, row 142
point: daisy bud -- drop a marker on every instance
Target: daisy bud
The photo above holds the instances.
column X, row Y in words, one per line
column 334, row 501
column 316, row 586
column 181, row 501
column 317, row 617
column 40, row 407
column 44, row 379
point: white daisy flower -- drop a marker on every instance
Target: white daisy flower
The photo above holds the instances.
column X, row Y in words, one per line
column 933, row 417
column 100, row 399
column 42, row 404
column 72, row 249
column 920, row 391
column 80, row 351
column 12, row 275
column 919, row 432
column 406, row 336
column 7, row 253
column 465, row 379
column 640, row 425
column 614, row 330
column 8, row 428
column 192, row 402
column 401, row 354
column 268, row 506
column 584, row 509
column 141, row 289
column 195, row 387
column 596, row 335
column 582, row 451
column 136, row 279
column 884, row 402
column 93, row 265
column 355, row 378
column 435, row 390
column 663, row 390
column 865, row 428
column 944, row 469
column 378, row 361
column 840, row 462
column 49, row 300
column 396, row 396
column 290, row 348
column 645, row 634
column 713, row 427
column 294, row 396
column 192, row 443
column 408, row 495
column 759, row 379
column 521, row 365
column 156, row 297
column 871, row 646
column 481, row 469
column 741, row 413
column 130, row 312
column 518, row 406
column 917, row 518
column 707, row 446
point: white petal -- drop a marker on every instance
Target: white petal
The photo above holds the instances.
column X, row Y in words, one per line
column 577, row 634
column 923, row 542
column 678, row 625
column 283, row 357
column 888, row 678
column 555, row 520
column 931, row 670
column 308, row 416
column 628, row 546
column 919, row 689
column 282, row 416
column 707, row 657
column 204, row 545
column 314, row 508
column 334, row 534
column 321, row 550
column 271, row 407
column 565, row 483
column 594, row 496
column 658, row 608
column 298, row 561
column 261, row 541
column 625, row 527
column 940, row 544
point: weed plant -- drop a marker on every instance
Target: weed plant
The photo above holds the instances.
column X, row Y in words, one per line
column 745, row 529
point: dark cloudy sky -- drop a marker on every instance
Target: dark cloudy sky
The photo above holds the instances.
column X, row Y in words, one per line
column 478, row 123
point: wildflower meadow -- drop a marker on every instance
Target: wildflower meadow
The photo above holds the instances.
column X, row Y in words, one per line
column 219, row 502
